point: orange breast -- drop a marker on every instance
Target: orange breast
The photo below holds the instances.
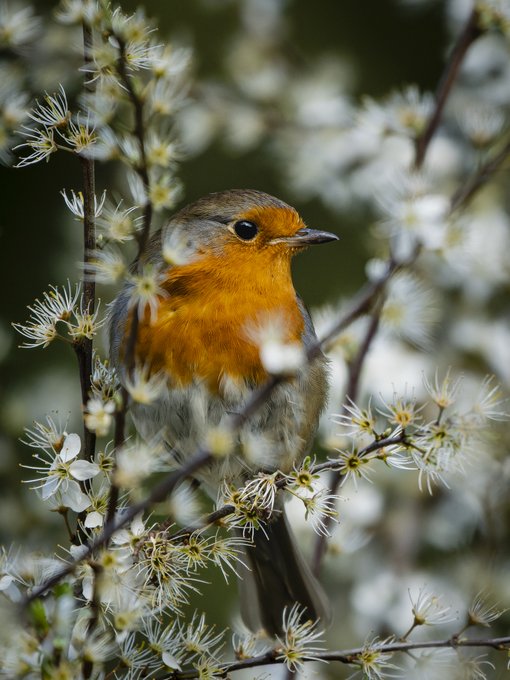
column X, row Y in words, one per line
column 202, row 327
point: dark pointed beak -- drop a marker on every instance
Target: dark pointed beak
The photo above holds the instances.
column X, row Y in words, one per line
column 306, row 237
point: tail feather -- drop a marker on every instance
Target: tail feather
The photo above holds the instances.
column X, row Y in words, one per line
column 279, row 577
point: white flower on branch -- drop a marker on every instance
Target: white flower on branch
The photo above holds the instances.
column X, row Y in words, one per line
column 116, row 223
column 164, row 644
column 402, row 411
column 57, row 305
column 355, row 421
column 165, row 572
column 98, row 416
column 145, row 291
column 199, row 639
column 46, row 436
column 40, row 142
column 490, row 403
column 58, row 472
column 170, row 62
column 374, row 662
column 129, row 537
column 227, row 553
column 429, row 610
column 104, row 381
column 161, row 151
column 247, row 645
column 481, row 613
column 143, row 387
column 54, row 112
column 303, row 478
column 300, row 638
column 352, row 466
column 81, row 136
column 443, row 393
column 97, row 510
column 246, row 516
column 75, row 203
column 481, row 123
column 320, row 510
column 103, row 66
column 85, row 324
column 260, row 492
column 107, row 266
column 165, row 191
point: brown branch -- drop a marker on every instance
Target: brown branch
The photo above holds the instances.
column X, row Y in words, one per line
column 352, row 656
column 84, row 347
column 467, row 37
column 143, row 238
column 351, row 394
column 227, row 510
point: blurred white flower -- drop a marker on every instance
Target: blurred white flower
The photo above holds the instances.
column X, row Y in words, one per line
column 279, row 354
column 98, row 416
column 143, row 387
column 410, row 309
column 145, row 291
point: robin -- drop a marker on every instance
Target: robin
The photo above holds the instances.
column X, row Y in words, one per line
column 230, row 274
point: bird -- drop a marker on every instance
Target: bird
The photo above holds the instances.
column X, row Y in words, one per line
column 224, row 263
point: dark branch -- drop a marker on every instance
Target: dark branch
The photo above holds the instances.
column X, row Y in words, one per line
column 469, row 34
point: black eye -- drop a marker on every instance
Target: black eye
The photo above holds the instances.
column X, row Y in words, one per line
column 246, row 230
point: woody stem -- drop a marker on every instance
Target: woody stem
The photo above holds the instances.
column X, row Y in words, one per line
column 143, row 172
column 84, row 347
column 467, row 37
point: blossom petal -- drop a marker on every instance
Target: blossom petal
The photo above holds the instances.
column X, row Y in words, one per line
column 50, row 486
column 82, row 469
column 74, row 498
column 71, row 447
column 94, row 519
column 170, row 661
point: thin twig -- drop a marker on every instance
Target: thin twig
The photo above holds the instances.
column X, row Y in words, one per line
column 143, row 238
column 281, row 483
column 467, row 37
column 351, row 394
column 351, row 656
column 84, row 347
column 466, row 192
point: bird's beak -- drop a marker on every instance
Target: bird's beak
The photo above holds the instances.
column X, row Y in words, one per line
column 306, row 237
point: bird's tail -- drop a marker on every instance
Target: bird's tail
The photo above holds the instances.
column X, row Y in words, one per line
column 278, row 577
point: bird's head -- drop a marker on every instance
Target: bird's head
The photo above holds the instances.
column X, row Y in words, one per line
column 238, row 226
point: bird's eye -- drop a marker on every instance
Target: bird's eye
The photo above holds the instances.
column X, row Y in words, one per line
column 246, row 230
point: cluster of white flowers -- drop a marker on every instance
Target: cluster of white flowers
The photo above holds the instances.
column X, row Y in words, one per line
column 435, row 437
